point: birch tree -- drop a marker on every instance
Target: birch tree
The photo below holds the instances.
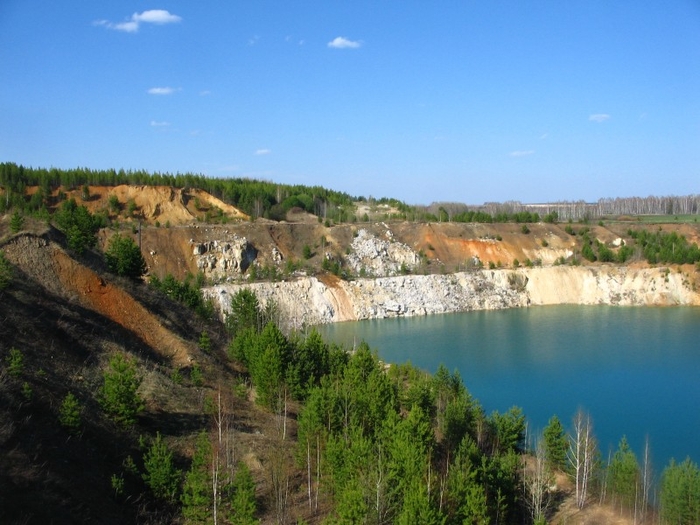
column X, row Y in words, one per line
column 581, row 455
column 537, row 478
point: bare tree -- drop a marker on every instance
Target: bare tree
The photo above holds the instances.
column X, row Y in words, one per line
column 537, row 478
column 223, row 448
column 647, row 480
column 582, row 448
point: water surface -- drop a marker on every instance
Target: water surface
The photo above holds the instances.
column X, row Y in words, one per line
column 636, row 370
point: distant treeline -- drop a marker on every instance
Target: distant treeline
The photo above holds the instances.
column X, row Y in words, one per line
column 271, row 200
column 563, row 210
column 255, row 197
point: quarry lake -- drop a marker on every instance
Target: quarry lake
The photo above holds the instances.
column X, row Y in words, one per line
column 636, row 370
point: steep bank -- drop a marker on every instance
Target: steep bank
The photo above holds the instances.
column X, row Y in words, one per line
column 308, row 300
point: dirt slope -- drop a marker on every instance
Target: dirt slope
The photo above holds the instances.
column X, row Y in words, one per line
column 49, row 265
column 163, row 204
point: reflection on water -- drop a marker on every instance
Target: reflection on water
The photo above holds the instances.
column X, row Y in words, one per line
column 635, row 369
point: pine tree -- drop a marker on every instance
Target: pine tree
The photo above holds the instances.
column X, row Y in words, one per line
column 624, row 471
column 680, row 493
column 243, row 505
column 160, row 474
column 16, row 222
column 123, row 257
column 69, row 414
column 555, row 444
column 196, row 495
column 118, row 396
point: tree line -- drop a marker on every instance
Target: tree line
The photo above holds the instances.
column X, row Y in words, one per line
column 271, row 200
column 255, row 197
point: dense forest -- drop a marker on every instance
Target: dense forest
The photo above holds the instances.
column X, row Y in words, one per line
column 271, row 200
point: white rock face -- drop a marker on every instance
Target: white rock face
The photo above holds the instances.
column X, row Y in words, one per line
column 614, row 285
column 219, row 259
column 380, row 257
column 307, row 301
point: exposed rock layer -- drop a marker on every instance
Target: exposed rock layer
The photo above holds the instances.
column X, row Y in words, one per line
column 308, row 300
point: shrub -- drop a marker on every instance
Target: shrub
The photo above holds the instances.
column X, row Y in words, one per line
column 204, row 342
column 113, row 203
column 69, row 413
column 16, row 222
column 196, row 376
column 15, row 362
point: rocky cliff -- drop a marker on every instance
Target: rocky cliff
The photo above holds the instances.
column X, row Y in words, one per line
column 308, row 300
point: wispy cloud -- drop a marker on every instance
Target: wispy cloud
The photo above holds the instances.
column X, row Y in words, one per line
column 254, row 40
column 599, row 117
column 340, row 42
column 131, row 25
column 161, row 91
column 159, row 124
column 521, row 153
column 204, row 93
column 263, row 151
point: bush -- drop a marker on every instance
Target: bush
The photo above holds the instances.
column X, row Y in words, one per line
column 69, row 414
column 204, row 342
column 307, row 253
column 15, row 362
column 187, row 292
column 114, row 205
column 16, row 222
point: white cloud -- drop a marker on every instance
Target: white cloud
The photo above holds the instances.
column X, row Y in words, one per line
column 156, row 16
column 158, row 124
column 161, row 91
column 263, row 151
column 153, row 16
column 521, row 153
column 204, row 93
column 340, row 42
column 599, row 117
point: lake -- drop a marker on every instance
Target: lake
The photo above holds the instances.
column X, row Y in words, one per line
column 636, row 370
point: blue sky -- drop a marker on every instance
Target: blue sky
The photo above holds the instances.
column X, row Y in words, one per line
column 423, row 101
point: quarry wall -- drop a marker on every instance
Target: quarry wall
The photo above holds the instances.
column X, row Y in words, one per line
column 308, row 300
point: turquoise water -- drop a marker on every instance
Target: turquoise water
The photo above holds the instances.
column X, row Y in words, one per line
column 636, row 370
